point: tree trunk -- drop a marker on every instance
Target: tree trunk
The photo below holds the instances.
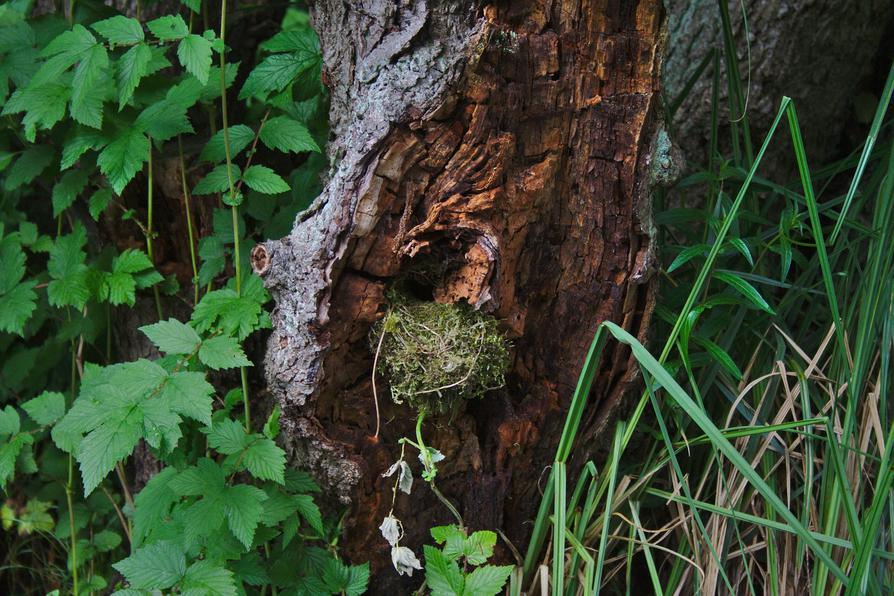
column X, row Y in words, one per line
column 818, row 52
column 517, row 142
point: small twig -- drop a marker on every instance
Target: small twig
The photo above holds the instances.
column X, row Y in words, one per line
column 375, row 366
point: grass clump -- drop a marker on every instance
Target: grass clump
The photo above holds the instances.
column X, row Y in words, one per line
column 437, row 354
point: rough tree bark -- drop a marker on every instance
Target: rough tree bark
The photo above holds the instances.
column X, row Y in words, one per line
column 516, row 141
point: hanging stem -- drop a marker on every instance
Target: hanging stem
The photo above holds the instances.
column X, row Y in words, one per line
column 150, row 234
column 189, row 228
column 429, row 465
column 237, row 261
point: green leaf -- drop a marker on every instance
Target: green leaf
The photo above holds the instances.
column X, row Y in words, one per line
column 12, row 263
column 9, row 452
column 9, row 421
column 164, row 120
column 687, row 254
column 298, row 481
column 310, row 512
column 487, row 581
column 154, row 567
column 275, row 72
column 265, row 180
column 120, row 30
column 479, row 547
column 67, row 190
column 79, row 141
column 222, row 352
column 152, row 505
column 172, row 336
column 44, row 105
column 105, row 446
column 189, row 394
column 443, row 576
column 132, row 67
column 719, row 355
column 240, row 137
column 168, row 27
column 205, row 577
column 87, row 87
column 265, row 460
column 16, row 307
column 217, row 180
column 229, row 312
column 30, row 164
column 194, row 53
column 227, row 436
column 98, row 202
column 284, row 134
column 243, row 510
column 123, row 158
column 66, row 267
column 744, row 288
column 46, row 408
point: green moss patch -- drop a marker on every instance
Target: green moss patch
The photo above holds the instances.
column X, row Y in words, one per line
column 437, row 354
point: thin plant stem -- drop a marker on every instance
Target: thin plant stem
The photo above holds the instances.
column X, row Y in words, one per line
column 237, row 260
column 150, row 233
column 189, row 227
column 429, row 465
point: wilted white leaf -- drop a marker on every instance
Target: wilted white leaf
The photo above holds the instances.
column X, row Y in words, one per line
column 390, row 529
column 404, row 560
column 405, row 482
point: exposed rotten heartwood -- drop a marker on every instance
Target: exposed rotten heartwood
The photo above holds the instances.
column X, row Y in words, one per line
column 510, row 144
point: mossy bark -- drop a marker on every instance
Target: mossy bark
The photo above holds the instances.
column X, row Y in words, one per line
column 511, row 144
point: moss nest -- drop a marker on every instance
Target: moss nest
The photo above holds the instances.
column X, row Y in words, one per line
column 438, row 354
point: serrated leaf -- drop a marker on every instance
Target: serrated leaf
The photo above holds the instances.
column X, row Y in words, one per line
column 275, row 72
column 46, row 408
column 29, row 165
column 479, row 547
column 154, row 567
column 79, row 141
column 287, row 135
column 229, row 312
column 98, row 202
column 264, row 180
column 265, row 460
column 123, row 158
column 222, row 352
column 487, row 581
column 67, row 190
column 744, row 288
column 152, row 505
column 194, row 53
column 44, row 105
column 217, row 180
column 443, row 576
column 120, row 30
column 10, row 423
column 164, row 120
column 205, row 577
column 172, row 336
column 243, row 510
column 189, row 394
column 168, row 27
column 227, row 436
column 240, row 137
column 86, row 92
column 105, row 446
column 132, row 67
column 16, row 307
column 310, row 512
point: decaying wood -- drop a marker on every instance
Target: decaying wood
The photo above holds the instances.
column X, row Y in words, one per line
column 510, row 149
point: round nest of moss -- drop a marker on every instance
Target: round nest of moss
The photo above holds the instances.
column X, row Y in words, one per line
column 437, row 354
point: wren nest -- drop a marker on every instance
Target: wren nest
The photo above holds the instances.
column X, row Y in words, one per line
column 435, row 355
